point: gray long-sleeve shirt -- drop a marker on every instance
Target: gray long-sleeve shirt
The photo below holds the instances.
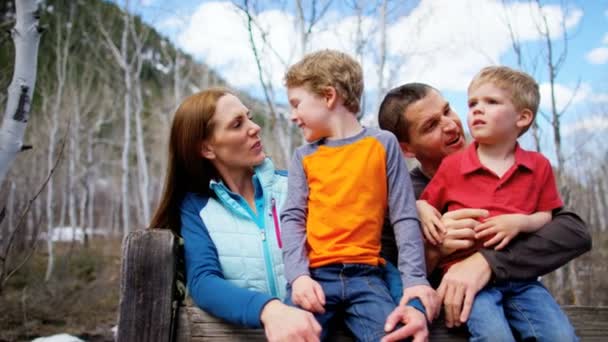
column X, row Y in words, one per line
column 338, row 194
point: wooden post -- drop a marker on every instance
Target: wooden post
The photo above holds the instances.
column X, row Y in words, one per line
column 147, row 286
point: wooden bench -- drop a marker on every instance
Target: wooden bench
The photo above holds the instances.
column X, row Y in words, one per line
column 148, row 310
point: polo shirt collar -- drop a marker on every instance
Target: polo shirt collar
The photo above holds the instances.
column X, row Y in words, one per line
column 470, row 162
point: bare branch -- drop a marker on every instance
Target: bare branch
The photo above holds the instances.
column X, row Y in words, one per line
column 25, row 211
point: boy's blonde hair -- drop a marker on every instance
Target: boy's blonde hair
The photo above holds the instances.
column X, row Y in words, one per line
column 522, row 87
column 329, row 68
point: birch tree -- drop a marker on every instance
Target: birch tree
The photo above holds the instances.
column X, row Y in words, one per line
column 129, row 57
column 26, row 37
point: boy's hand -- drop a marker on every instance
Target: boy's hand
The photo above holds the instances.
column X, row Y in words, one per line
column 308, row 294
column 427, row 296
column 430, row 220
column 503, row 227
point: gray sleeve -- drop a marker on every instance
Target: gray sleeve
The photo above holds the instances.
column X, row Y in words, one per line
column 293, row 221
column 403, row 216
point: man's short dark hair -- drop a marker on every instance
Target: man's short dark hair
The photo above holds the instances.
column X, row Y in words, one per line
column 391, row 116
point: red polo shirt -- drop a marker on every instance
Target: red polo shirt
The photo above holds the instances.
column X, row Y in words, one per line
column 463, row 182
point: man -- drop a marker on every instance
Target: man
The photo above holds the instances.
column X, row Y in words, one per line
column 428, row 130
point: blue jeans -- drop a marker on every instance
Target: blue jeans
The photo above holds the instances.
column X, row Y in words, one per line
column 392, row 277
column 359, row 293
column 518, row 310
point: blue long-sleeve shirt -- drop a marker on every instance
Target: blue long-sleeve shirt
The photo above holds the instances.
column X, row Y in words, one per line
column 206, row 282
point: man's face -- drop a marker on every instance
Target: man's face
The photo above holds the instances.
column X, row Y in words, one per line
column 435, row 130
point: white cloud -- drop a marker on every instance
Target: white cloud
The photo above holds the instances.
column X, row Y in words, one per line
column 440, row 42
column 563, row 95
column 591, row 124
column 146, row 3
column 598, row 55
column 461, row 37
column 599, row 98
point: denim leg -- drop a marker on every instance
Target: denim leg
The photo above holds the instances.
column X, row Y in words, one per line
column 487, row 321
column 368, row 301
column 329, row 279
column 392, row 277
column 534, row 314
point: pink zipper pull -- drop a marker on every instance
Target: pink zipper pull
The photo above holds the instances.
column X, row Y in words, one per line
column 277, row 231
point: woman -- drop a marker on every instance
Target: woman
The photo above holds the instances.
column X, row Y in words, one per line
column 222, row 195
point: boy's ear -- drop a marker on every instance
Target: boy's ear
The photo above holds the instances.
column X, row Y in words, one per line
column 206, row 151
column 407, row 150
column 330, row 96
column 524, row 118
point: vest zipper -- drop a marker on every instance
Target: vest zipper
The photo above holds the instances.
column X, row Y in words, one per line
column 268, row 261
column 275, row 219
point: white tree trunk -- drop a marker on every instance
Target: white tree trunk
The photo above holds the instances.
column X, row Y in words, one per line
column 142, row 162
column 61, row 52
column 71, row 177
column 26, row 37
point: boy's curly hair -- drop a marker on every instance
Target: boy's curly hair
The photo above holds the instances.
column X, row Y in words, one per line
column 329, row 68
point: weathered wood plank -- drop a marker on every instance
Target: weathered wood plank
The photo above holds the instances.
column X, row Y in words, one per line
column 147, row 286
column 147, row 290
column 591, row 324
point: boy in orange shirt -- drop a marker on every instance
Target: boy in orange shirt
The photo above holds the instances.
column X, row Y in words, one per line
column 340, row 186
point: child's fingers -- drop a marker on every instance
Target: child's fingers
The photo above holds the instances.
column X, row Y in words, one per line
column 494, row 240
column 315, row 305
column 427, row 234
column 438, row 222
column 503, row 243
column 318, row 290
column 433, row 230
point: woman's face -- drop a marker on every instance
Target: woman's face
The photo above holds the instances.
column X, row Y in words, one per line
column 235, row 142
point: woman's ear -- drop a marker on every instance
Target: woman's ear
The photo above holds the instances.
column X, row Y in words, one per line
column 207, row 151
column 524, row 118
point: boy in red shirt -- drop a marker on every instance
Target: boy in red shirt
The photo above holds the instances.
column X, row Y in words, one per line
column 518, row 189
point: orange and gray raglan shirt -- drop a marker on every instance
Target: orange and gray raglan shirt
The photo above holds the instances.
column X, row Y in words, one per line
column 338, row 194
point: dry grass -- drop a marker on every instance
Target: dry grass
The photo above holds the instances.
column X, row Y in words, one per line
column 81, row 298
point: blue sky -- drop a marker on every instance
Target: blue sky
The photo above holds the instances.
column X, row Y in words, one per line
column 440, row 42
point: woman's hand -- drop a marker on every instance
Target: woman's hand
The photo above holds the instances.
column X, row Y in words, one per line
column 414, row 321
column 285, row 323
column 308, row 294
column 430, row 220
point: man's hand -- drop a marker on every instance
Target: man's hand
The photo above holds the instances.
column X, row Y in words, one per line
column 308, row 294
column 501, row 229
column 415, row 325
column 459, row 286
column 285, row 323
column 460, row 234
column 430, row 221
column 455, row 240
column 463, row 218
column 428, row 297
